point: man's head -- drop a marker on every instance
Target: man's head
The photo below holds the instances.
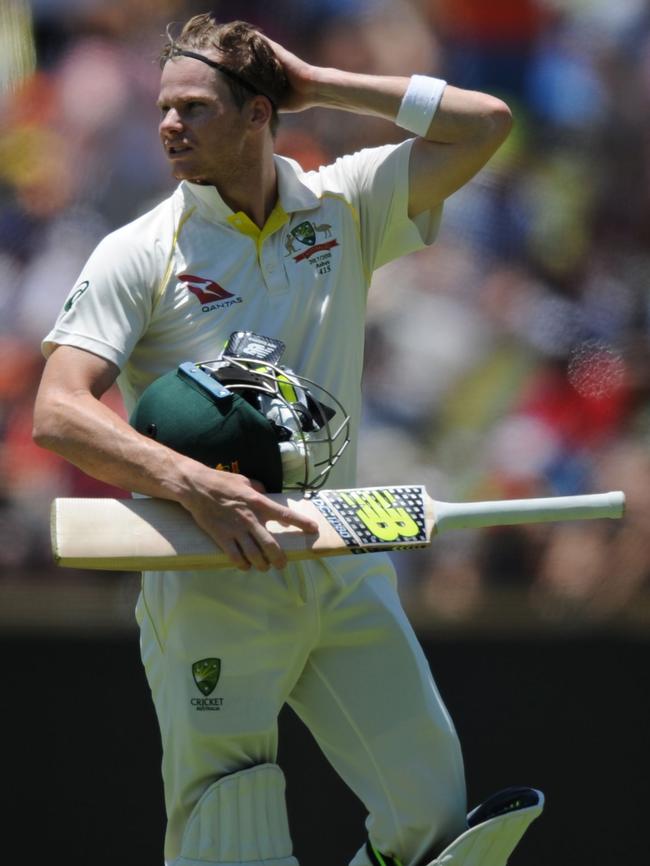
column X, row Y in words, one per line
column 238, row 52
column 219, row 88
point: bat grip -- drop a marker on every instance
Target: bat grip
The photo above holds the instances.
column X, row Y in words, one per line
column 507, row 512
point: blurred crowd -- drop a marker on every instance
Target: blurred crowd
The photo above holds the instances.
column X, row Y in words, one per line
column 510, row 359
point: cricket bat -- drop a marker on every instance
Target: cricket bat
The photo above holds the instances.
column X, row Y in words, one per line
column 159, row 535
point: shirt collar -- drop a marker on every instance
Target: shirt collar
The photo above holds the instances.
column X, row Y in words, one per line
column 293, row 193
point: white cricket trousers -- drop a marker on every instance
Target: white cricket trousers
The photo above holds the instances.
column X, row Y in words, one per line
column 331, row 639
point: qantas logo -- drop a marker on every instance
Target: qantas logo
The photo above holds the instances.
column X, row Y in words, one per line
column 210, row 295
column 205, row 290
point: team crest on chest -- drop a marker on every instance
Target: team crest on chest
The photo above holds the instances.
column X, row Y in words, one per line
column 305, row 232
column 209, row 294
column 319, row 255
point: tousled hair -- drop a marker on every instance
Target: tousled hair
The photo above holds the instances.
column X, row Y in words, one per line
column 241, row 51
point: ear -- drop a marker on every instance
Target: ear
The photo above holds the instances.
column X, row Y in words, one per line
column 260, row 111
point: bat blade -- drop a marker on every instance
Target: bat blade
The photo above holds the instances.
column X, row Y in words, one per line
column 158, row 535
column 147, row 535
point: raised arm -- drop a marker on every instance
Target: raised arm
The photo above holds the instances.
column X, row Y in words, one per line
column 462, row 134
column 70, row 419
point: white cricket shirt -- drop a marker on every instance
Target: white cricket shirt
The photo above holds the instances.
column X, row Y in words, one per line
column 172, row 285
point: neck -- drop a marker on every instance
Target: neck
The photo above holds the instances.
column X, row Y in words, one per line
column 252, row 188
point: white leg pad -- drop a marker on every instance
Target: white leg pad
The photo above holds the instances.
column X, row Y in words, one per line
column 491, row 842
column 241, row 819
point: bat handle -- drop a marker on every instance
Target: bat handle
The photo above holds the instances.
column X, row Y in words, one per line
column 507, row 512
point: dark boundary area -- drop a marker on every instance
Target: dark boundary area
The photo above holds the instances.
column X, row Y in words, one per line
column 81, row 753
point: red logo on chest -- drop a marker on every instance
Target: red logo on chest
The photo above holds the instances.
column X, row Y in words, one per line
column 207, row 291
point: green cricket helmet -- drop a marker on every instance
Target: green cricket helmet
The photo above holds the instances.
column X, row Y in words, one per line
column 243, row 413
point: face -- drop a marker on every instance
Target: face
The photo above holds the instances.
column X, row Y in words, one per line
column 201, row 128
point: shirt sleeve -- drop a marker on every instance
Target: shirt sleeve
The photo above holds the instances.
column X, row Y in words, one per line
column 110, row 306
column 376, row 182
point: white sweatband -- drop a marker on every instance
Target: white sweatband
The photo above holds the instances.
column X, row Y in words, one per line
column 420, row 103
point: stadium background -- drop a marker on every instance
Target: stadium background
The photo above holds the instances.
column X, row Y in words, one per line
column 510, row 359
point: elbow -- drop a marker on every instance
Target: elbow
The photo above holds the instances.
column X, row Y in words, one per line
column 498, row 121
column 42, row 435
column 45, row 427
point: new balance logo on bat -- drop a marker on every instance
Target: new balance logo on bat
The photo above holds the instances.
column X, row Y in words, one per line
column 376, row 518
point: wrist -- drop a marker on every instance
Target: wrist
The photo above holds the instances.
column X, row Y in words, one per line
column 322, row 86
column 181, row 478
column 420, row 103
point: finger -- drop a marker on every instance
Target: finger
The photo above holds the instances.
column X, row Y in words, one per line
column 255, row 545
column 277, row 48
column 270, row 510
column 289, row 517
column 233, row 551
column 269, row 548
column 254, row 553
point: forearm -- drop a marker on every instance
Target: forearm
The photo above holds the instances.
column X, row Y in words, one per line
column 378, row 95
column 461, row 114
column 90, row 435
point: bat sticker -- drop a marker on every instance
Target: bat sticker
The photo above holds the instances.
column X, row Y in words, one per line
column 381, row 518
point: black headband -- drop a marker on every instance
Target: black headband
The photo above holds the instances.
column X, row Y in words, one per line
column 175, row 52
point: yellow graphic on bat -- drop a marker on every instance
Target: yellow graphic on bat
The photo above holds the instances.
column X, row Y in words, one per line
column 377, row 512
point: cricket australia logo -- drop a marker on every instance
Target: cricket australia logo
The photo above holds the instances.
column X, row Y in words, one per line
column 318, row 254
column 210, row 295
column 205, row 673
column 305, row 232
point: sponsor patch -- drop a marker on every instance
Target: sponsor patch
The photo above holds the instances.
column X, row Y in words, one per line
column 229, row 467
column 74, row 297
column 210, row 294
column 376, row 518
